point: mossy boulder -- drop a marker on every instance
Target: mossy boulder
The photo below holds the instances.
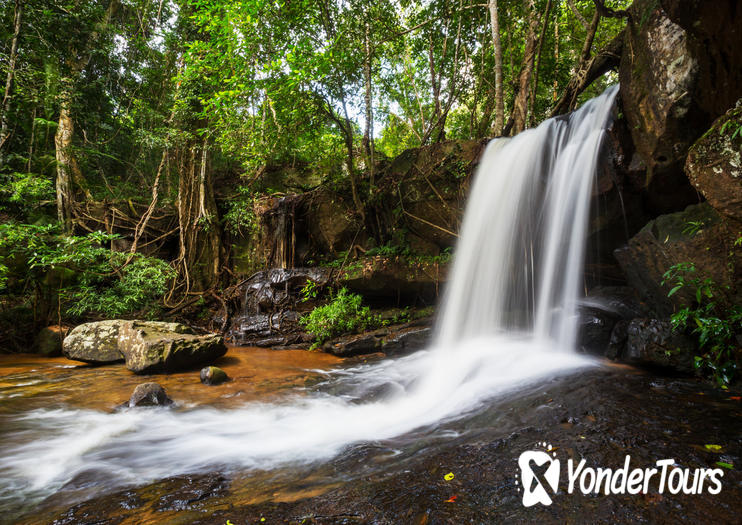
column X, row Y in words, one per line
column 213, row 375
column 680, row 70
column 95, row 342
column 151, row 348
column 714, row 164
column 696, row 235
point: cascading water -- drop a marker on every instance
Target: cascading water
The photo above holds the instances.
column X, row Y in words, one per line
column 511, row 300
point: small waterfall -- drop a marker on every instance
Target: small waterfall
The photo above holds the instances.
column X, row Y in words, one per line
column 510, row 301
column 518, row 265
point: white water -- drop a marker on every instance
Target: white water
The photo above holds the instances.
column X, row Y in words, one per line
column 510, row 305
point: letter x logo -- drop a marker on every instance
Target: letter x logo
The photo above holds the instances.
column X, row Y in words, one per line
column 540, row 476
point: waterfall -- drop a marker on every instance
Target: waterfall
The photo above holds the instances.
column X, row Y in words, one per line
column 518, row 265
column 510, row 301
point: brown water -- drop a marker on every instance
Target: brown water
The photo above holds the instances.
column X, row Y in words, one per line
column 30, row 381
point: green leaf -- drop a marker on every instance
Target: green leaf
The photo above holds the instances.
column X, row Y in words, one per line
column 724, row 464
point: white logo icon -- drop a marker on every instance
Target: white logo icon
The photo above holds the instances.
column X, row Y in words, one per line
column 539, row 474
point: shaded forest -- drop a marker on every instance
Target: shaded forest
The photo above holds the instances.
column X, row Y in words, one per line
column 138, row 136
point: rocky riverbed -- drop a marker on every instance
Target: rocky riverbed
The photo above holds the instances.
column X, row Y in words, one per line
column 600, row 414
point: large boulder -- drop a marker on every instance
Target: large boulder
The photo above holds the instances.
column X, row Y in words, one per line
column 149, row 348
column 714, row 165
column 695, row 235
column 95, row 342
column 681, row 69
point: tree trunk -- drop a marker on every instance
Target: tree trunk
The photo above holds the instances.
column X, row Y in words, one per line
column 499, row 97
column 520, row 104
column 68, row 171
column 200, row 245
column 11, row 76
column 541, row 38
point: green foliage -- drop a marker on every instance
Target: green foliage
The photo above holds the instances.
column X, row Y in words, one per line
column 692, row 228
column 309, row 291
column 240, row 215
column 733, row 127
column 714, row 326
column 27, row 189
column 89, row 277
column 343, row 314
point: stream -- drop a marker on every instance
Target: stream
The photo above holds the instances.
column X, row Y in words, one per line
column 601, row 413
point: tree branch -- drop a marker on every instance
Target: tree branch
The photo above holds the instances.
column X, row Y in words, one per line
column 610, row 13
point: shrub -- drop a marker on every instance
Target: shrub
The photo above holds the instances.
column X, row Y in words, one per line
column 713, row 325
column 343, row 314
column 88, row 277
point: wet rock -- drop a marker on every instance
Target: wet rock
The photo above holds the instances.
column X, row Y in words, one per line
column 407, row 340
column 94, row 342
column 652, row 342
column 213, row 375
column 281, row 328
column 714, row 165
column 666, row 241
column 680, row 70
column 599, row 314
column 594, row 328
column 617, row 342
column 149, row 394
column 269, row 306
column 49, row 341
column 152, row 347
column 367, row 343
column 393, row 340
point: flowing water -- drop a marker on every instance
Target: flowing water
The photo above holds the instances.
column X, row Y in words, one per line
column 508, row 320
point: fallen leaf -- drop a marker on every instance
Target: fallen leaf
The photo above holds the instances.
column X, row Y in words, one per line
column 714, row 448
column 725, row 465
column 448, row 477
column 735, row 398
column 452, row 499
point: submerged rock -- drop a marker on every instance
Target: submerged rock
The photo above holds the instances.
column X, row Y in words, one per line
column 149, row 394
column 213, row 375
column 152, row 347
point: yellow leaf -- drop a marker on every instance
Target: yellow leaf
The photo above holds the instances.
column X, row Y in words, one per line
column 448, row 477
column 715, row 448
